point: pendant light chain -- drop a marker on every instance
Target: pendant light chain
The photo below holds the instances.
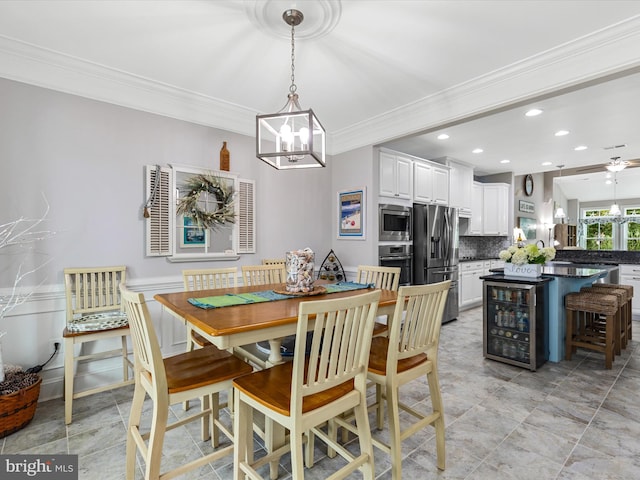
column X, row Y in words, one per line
column 293, row 87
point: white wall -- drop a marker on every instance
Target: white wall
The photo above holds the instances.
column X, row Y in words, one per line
column 87, row 158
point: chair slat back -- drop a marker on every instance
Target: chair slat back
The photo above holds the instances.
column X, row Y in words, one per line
column 209, row 278
column 93, row 290
column 146, row 349
column 273, row 261
column 342, row 331
column 387, row 278
column 419, row 331
column 263, row 274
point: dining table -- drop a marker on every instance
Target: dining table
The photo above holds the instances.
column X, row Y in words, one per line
column 234, row 326
column 237, row 326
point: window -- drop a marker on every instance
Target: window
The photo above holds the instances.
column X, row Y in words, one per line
column 599, row 233
column 632, row 229
column 178, row 236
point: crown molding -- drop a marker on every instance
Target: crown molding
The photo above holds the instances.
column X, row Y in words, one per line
column 610, row 51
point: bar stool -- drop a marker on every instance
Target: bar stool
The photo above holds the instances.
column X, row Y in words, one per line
column 621, row 321
column 629, row 290
column 591, row 323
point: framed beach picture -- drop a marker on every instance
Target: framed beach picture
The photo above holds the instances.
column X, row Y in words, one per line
column 192, row 234
column 351, row 213
column 528, row 226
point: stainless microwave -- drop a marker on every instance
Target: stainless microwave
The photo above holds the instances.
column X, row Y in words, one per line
column 395, row 223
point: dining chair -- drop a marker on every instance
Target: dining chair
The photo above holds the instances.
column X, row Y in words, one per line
column 93, row 314
column 205, row 279
column 203, row 373
column 387, row 278
column 409, row 352
column 264, row 274
column 305, row 393
column 273, row 261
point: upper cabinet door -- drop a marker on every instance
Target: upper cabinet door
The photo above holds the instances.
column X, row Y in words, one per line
column 396, row 175
column 422, row 182
column 440, row 186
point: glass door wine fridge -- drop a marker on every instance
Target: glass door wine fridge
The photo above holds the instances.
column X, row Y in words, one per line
column 514, row 322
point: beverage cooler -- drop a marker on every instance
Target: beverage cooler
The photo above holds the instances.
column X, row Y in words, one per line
column 514, row 321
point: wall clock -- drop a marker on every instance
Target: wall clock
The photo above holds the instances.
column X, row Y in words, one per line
column 528, row 185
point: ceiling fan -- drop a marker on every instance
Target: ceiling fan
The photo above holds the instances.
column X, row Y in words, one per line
column 615, row 165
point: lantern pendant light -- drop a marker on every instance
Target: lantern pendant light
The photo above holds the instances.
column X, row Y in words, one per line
column 559, row 213
column 291, row 138
column 614, row 211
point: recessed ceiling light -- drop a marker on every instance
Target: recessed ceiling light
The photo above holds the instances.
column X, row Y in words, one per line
column 443, row 136
column 505, row 161
column 533, row 112
column 477, row 150
column 561, row 133
column 579, row 148
column 546, row 164
column 608, row 182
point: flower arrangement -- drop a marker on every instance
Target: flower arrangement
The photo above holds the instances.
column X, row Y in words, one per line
column 528, row 254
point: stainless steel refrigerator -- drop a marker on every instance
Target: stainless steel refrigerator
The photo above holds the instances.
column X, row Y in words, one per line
column 435, row 250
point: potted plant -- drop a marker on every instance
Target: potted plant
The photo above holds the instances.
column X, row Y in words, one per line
column 527, row 260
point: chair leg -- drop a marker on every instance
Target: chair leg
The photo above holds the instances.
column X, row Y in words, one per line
column 243, row 436
column 610, row 342
column 568, row 346
column 68, row 380
column 156, row 439
column 437, row 405
column 364, row 437
column 134, row 424
column 213, row 416
column 311, row 442
column 206, row 404
column 297, row 459
column 125, row 363
column 379, row 407
column 393, row 412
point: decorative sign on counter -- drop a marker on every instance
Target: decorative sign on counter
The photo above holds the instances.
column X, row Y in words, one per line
column 531, row 270
column 299, row 265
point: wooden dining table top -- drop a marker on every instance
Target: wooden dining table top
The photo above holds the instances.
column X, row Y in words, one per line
column 238, row 319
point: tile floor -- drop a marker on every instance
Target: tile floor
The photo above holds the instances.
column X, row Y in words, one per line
column 572, row 420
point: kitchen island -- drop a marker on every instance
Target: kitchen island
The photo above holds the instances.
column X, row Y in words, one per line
column 564, row 279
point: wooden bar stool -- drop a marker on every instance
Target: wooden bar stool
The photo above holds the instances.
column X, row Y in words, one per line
column 621, row 320
column 629, row 290
column 591, row 324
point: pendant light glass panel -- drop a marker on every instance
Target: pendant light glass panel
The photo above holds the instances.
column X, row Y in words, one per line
column 291, row 140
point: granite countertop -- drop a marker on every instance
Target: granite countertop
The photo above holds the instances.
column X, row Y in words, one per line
column 559, row 271
column 477, row 259
column 607, row 257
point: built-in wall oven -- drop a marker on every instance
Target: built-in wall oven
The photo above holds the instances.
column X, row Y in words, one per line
column 395, row 223
column 397, row 256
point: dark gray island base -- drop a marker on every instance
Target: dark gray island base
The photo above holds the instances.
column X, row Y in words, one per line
column 561, row 280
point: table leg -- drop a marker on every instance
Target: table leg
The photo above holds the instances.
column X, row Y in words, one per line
column 275, row 357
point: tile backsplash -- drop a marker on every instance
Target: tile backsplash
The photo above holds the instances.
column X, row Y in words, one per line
column 482, row 247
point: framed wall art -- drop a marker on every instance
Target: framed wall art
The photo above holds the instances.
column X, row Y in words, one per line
column 526, row 207
column 528, row 226
column 192, row 234
column 351, row 213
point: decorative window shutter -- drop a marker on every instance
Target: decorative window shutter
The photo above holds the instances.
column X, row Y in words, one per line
column 159, row 240
column 246, row 216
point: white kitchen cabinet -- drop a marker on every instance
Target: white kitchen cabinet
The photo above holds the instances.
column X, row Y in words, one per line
column 430, row 183
column 461, row 188
column 630, row 275
column 477, row 211
column 495, row 209
column 396, row 176
column 469, row 284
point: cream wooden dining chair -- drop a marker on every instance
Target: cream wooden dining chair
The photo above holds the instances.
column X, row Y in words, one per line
column 387, row 278
column 200, row 373
column 205, row 279
column 409, row 352
column 273, row 261
column 94, row 314
column 305, row 393
column 264, row 274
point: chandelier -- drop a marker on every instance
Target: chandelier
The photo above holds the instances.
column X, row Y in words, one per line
column 291, row 138
column 615, row 209
column 616, row 165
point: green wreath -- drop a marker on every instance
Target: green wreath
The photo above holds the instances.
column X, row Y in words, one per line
column 210, row 185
